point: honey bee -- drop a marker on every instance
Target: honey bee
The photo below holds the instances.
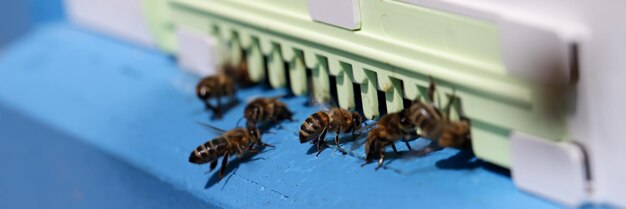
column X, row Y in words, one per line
column 389, row 129
column 239, row 73
column 440, row 128
column 236, row 141
column 336, row 120
column 436, row 125
column 215, row 87
column 264, row 109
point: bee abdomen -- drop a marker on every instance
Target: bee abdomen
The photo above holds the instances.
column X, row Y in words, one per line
column 211, row 150
column 313, row 126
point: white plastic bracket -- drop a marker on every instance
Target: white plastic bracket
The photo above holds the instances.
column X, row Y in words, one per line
column 554, row 170
column 120, row 18
column 197, row 51
column 341, row 13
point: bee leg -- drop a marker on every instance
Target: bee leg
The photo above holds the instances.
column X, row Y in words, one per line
column 262, row 144
column 381, row 159
column 337, row 142
column 224, row 165
column 208, row 106
column 213, row 165
column 321, row 145
column 431, row 90
column 407, row 144
column 449, row 105
column 368, row 160
column 337, row 137
column 393, row 146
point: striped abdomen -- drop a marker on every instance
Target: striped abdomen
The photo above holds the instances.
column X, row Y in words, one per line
column 313, row 126
column 209, row 151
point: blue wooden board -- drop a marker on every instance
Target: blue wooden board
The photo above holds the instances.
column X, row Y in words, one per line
column 45, row 168
column 136, row 105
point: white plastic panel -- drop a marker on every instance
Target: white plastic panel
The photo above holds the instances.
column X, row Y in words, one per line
column 603, row 61
column 552, row 170
column 341, row 13
column 197, row 52
column 121, row 18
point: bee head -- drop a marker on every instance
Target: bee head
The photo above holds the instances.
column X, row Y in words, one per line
column 357, row 121
column 202, row 91
column 405, row 121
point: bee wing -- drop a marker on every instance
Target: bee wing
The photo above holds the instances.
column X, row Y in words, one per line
column 323, row 106
column 357, row 143
column 211, row 128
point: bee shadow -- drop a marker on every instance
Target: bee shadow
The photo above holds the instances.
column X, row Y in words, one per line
column 232, row 165
column 466, row 160
column 344, row 139
column 313, row 149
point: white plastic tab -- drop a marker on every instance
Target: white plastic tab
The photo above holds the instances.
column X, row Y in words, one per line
column 197, row 52
column 341, row 13
column 121, row 18
column 549, row 169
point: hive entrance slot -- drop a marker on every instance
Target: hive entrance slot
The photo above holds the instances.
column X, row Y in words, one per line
column 334, row 100
column 288, row 80
column 266, row 81
column 382, row 101
column 309, row 87
column 358, row 103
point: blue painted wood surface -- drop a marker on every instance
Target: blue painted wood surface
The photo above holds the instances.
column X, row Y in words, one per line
column 45, row 168
column 18, row 16
column 136, row 105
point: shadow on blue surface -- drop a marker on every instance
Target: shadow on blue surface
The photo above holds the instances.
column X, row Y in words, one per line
column 232, row 167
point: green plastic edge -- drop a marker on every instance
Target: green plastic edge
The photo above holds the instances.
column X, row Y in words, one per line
column 391, row 61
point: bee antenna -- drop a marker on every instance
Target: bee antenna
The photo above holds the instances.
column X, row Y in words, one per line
column 238, row 121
